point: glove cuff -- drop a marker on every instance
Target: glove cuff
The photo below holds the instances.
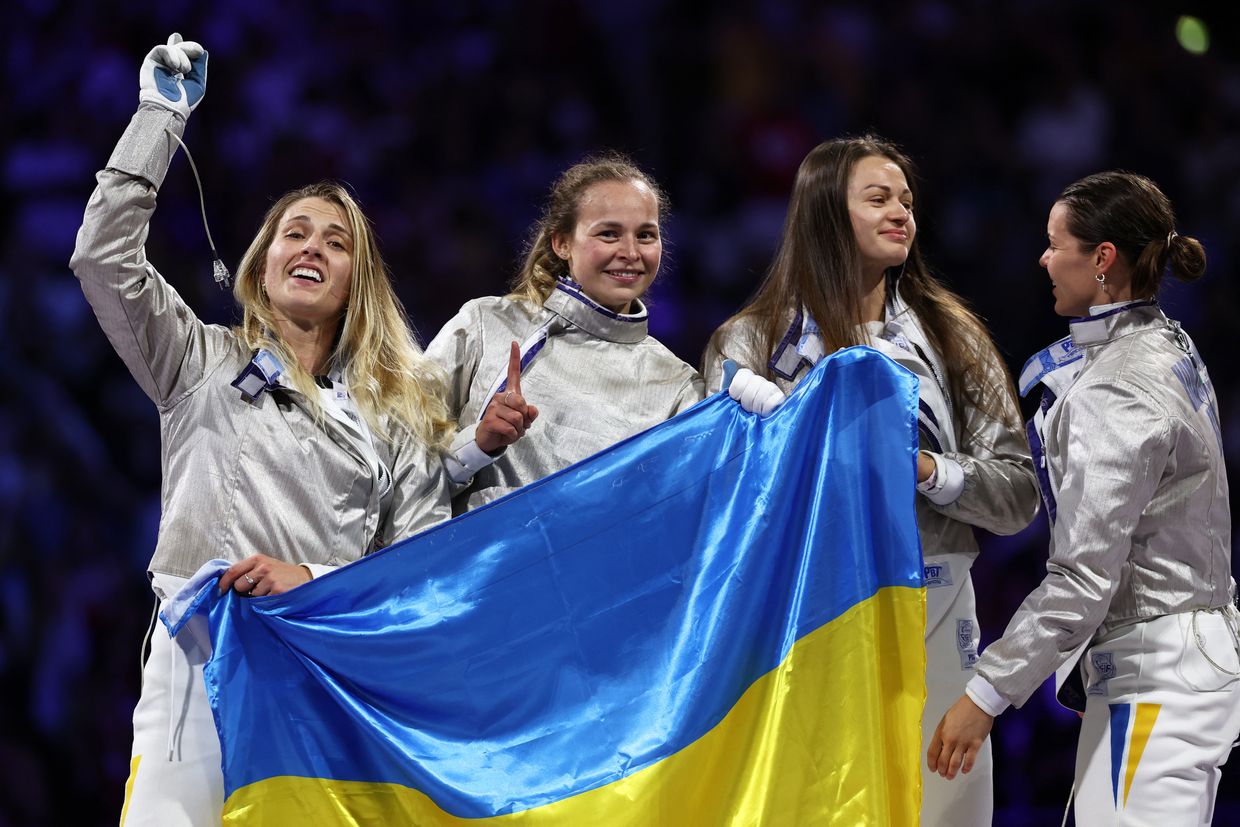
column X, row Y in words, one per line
column 146, row 150
column 946, row 484
column 154, row 98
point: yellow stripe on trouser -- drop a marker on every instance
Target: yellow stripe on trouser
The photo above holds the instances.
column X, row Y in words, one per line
column 133, row 774
column 1141, row 729
column 830, row 736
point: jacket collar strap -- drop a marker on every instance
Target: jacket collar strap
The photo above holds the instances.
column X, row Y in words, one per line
column 1115, row 322
column 570, row 302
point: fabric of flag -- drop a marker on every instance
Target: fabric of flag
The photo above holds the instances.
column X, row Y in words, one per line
column 718, row 621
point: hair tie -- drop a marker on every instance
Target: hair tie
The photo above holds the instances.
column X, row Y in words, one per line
column 1170, row 237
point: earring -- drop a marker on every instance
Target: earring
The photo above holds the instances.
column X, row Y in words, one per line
column 1101, row 278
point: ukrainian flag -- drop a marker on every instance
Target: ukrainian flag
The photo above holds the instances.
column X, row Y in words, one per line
column 719, row 621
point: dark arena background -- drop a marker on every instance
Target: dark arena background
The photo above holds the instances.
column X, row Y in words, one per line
column 450, row 120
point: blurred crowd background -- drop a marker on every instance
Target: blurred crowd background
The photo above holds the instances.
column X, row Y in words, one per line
column 450, row 120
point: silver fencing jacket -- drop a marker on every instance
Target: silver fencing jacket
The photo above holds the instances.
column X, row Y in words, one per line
column 595, row 376
column 999, row 490
column 239, row 477
column 1129, row 455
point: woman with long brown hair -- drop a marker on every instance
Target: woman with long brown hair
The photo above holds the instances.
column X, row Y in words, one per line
column 848, row 272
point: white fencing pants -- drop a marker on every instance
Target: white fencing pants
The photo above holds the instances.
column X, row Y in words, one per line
column 174, row 772
column 1161, row 716
column 952, row 637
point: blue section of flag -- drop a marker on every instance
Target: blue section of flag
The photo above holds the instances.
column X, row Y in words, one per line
column 590, row 624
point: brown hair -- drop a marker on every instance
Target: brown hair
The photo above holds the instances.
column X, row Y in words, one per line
column 818, row 266
column 387, row 374
column 537, row 276
column 1131, row 212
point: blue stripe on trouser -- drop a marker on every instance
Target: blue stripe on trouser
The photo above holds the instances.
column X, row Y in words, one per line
column 1120, row 713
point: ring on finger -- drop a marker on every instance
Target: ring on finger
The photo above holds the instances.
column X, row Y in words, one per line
column 508, row 398
column 250, row 580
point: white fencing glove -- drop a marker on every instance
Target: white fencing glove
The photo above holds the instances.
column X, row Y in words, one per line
column 174, row 76
column 755, row 393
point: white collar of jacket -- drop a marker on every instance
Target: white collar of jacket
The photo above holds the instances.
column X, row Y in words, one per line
column 1057, row 365
column 569, row 302
column 1112, row 323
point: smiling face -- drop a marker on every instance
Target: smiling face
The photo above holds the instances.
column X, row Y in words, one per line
column 880, row 204
column 308, row 270
column 614, row 249
column 1072, row 270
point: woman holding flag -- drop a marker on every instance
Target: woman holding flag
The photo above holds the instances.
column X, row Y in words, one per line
column 300, row 440
column 848, row 272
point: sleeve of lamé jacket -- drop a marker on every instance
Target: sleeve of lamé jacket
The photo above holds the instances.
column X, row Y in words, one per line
column 736, row 340
column 421, row 496
column 457, row 348
column 164, row 345
column 1114, row 443
column 692, row 391
column 1000, row 491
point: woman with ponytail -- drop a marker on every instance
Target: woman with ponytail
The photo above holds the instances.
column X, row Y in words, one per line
column 571, row 336
column 1136, row 612
column 848, row 272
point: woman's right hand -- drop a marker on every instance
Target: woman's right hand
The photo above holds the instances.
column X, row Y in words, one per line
column 757, row 394
column 958, row 738
column 174, row 76
column 507, row 416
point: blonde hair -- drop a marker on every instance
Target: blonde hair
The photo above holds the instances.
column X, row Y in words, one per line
column 542, row 267
column 388, row 376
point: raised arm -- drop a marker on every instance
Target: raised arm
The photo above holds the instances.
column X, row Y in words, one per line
column 159, row 338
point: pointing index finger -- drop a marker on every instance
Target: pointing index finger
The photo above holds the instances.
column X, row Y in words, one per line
column 514, row 368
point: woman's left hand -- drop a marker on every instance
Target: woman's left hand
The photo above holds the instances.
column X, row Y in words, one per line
column 958, row 738
column 260, row 575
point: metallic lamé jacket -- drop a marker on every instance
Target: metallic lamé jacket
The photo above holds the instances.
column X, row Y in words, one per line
column 1000, row 492
column 598, row 377
column 1132, row 470
column 239, row 478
